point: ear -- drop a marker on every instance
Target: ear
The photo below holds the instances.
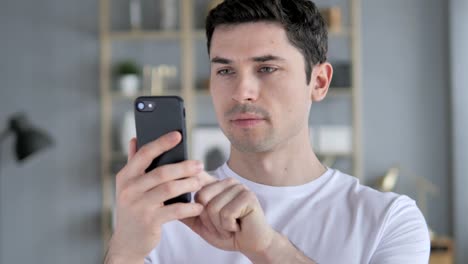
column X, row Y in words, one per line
column 321, row 78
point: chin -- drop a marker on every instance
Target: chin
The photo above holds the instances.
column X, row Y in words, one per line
column 250, row 146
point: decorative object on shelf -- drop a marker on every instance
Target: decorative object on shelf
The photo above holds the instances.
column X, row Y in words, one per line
column 211, row 146
column 128, row 77
column 387, row 182
column 163, row 78
column 334, row 140
column 127, row 131
column 135, row 14
column 442, row 251
column 332, row 16
column 341, row 75
column 168, row 11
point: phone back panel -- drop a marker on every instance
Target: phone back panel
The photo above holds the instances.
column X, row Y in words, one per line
column 168, row 115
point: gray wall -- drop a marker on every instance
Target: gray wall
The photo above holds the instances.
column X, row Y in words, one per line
column 406, row 98
column 50, row 205
column 459, row 78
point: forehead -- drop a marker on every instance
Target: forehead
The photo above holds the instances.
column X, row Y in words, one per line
column 247, row 40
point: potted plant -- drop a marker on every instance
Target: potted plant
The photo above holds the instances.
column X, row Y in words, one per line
column 128, row 77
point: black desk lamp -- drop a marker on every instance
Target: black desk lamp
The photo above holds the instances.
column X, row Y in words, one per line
column 29, row 140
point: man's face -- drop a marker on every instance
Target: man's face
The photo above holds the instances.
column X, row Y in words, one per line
column 258, row 85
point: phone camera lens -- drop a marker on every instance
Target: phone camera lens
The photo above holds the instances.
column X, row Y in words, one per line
column 141, row 106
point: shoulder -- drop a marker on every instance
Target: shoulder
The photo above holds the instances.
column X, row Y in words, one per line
column 380, row 208
column 398, row 226
column 365, row 197
column 404, row 235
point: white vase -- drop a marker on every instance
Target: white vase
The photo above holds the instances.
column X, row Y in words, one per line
column 129, row 84
column 127, row 131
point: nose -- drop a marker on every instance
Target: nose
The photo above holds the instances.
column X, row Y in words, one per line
column 247, row 89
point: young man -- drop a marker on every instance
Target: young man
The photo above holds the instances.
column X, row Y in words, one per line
column 273, row 201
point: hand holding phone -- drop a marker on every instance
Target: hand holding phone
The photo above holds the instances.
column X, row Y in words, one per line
column 140, row 196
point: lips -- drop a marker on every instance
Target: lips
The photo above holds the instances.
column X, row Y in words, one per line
column 247, row 120
column 247, row 117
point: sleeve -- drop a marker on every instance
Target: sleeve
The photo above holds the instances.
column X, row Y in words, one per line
column 404, row 237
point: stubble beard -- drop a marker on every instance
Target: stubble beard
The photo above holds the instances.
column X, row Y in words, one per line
column 248, row 142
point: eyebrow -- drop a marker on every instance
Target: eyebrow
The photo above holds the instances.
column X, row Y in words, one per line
column 267, row 58
column 264, row 58
column 221, row 60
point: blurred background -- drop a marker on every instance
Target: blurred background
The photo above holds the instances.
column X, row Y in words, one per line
column 396, row 116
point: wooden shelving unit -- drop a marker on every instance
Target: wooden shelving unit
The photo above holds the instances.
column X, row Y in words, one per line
column 356, row 89
column 186, row 37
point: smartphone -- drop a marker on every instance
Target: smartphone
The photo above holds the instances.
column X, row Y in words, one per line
column 156, row 116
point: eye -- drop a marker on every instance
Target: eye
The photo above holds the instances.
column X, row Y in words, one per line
column 224, row 72
column 267, row 69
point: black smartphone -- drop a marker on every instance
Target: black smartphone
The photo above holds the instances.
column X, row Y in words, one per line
column 156, row 116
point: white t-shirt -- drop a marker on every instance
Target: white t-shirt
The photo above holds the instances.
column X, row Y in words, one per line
column 332, row 219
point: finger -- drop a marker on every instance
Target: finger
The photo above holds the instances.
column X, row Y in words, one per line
column 211, row 190
column 223, row 218
column 131, row 149
column 206, row 222
column 179, row 211
column 166, row 173
column 206, row 178
column 169, row 190
column 205, row 197
column 145, row 155
column 240, row 207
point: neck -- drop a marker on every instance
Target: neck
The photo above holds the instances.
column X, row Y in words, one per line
column 290, row 163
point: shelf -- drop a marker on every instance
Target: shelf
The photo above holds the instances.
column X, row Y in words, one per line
column 145, row 34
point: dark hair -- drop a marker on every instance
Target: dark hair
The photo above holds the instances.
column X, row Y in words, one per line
column 305, row 27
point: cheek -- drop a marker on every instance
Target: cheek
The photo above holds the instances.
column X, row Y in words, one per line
column 219, row 101
column 292, row 98
column 287, row 91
